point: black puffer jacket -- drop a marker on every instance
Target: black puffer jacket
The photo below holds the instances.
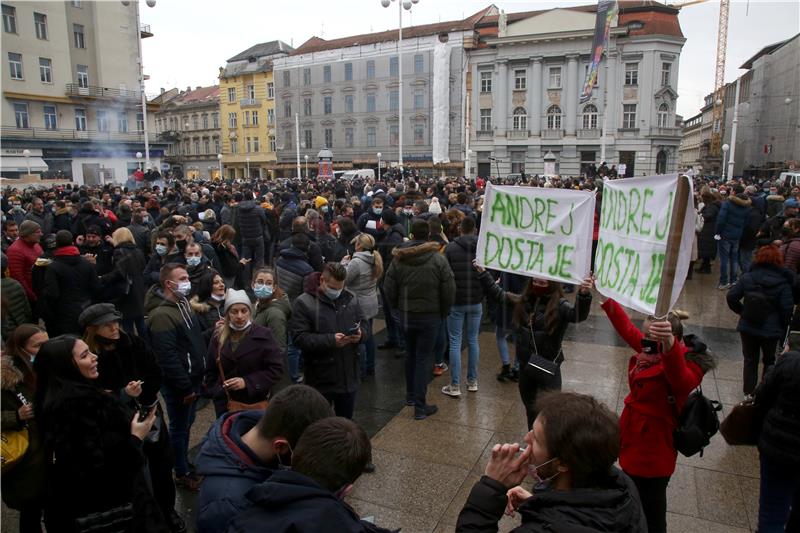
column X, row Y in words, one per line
column 615, row 506
column 776, row 283
column 706, row 245
column 292, row 268
column 778, row 400
column 460, row 254
column 129, row 263
column 420, row 280
column 252, row 221
column 70, row 284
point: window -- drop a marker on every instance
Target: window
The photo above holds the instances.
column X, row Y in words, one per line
column 348, row 137
column 554, row 118
column 371, row 69
column 328, row 138
column 419, row 64
column 273, row 146
column 521, row 79
column 663, row 116
column 80, row 119
column 394, row 134
column 246, row 121
column 78, row 38
column 232, row 119
column 40, row 22
column 216, row 145
column 371, row 136
column 234, row 146
column 666, row 71
column 419, row 99
column 102, row 120
column 370, row 103
column 307, row 138
column 195, row 122
column 21, row 115
column 520, row 119
column 629, row 116
column 83, row 76
column 256, row 145
column 287, row 139
column 215, row 122
column 486, row 119
column 231, row 94
column 205, row 121
column 326, row 73
column 76, row 3
column 555, row 77
column 348, row 72
column 486, row 82
column 631, row 73
column 419, row 134
column 46, row 70
column 306, row 107
column 15, row 65
column 394, row 66
column 306, row 76
column 9, row 19
column 589, row 117
column 394, row 100
column 50, row 118
column 270, row 90
column 255, row 118
column 122, row 122
column 251, row 92
column 206, row 146
column 270, row 117
column 327, row 105
column 196, row 147
column 247, row 145
column 517, row 162
column 287, row 109
column 348, row 103
column 287, row 78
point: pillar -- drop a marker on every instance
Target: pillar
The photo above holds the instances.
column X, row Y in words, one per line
column 571, row 95
column 535, row 100
column 500, row 111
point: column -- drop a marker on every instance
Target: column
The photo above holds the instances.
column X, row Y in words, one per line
column 535, row 97
column 500, row 111
column 571, row 95
column 610, row 104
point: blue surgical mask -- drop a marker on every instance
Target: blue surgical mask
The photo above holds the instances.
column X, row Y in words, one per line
column 161, row 249
column 262, row 292
column 377, row 210
column 193, row 261
column 333, row 294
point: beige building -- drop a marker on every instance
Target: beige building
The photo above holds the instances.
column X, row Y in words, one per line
column 71, row 90
column 691, row 141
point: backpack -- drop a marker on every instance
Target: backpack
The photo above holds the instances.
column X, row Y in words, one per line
column 697, row 423
column 756, row 306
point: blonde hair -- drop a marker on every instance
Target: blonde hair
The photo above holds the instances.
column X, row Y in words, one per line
column 367, row 244
column 121, row 235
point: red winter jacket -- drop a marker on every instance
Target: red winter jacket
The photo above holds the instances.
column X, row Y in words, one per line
column 21, row 257
column 649, row 419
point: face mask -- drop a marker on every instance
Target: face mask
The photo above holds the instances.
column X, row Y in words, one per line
column 193, row 261
column 538, row 480
column 324, row 208
column 240, row 328
column 218, row 297
column 282, row 466
column 161, row 249
column 181, row 245
column 183, row 288
column 262, row 292
column 408, row 211
column 377, row 210
column 30, row 355
column 333, row 294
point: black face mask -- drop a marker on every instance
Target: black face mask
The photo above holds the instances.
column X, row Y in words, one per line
column 181, row 245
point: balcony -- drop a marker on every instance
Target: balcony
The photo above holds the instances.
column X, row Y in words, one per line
column 592, row 133
column 517, row 134
column 665, row 132
column 70, row 135
column 552, row 134
column 249, row 102
column 144, row 31
column 484, row 134
column 106, row 93
column 169, row 135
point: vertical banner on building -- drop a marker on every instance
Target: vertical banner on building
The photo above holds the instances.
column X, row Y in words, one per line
column 440, row 133
column 606, row 11
column 546, row 233
column 632, row 244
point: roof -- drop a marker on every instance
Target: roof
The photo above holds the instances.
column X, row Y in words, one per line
column 200, row 95
column 317, row 44
column 767, row 50
column 165, row 96
column 261, row 50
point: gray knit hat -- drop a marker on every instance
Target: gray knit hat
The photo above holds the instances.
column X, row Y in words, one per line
column 236, row 297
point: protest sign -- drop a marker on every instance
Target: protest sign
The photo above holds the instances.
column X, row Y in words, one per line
column 632, row 244
column 546, row 233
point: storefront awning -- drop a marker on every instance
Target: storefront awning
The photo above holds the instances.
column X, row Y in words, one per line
column 20, row 164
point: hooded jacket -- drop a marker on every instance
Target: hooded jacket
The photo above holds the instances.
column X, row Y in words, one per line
column 733, row 217
column 776, row 283
column 229, row 469
column 614, row 506
column 291, row 270
column 252, row 221
column 420, row 280
column 290, row 502
column 275, row 316
column 460, row 254
column 177, row 340
column 70, row 284
column 361, row 282
column 774, row 205
column 778, row 401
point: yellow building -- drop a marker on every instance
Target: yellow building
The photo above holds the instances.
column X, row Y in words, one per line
column 247, row 111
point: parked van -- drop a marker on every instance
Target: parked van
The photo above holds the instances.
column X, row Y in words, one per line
column 790, row 179
column 361, row 173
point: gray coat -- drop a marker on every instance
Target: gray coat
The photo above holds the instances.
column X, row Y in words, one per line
column 362, row 283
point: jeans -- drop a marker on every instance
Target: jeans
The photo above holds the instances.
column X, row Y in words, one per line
column 745, row 260
column 392, row 317
column 419, row 329
column 181, row 418
column 344, row 404
column 754, row 348
column 252, row 249
column 653, row 494
column 780, row 491
column 366, row 350
column 293, row 359
column 141, row 329
column 460, row 316
column 502, row 347
column 728, row 259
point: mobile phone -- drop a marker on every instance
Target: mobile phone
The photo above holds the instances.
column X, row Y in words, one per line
column 355, row 330
column 144, row 411
column 649, row 346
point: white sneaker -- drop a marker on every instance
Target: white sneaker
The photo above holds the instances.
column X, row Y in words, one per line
column 452, row 390
column 472, row 386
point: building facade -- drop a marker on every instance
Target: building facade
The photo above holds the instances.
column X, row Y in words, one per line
column 527, row 76
column 189, row 122
column 691, row 143
column 71, row 91
column 247, row 111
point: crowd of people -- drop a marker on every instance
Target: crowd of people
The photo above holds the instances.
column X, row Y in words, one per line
column 125, row 309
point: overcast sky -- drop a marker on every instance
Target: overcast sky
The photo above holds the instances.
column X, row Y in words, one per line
column 193, row 38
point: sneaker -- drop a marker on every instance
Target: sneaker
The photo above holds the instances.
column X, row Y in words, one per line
column 505, row 374
column 425, row 413
column 724, row 286
column 190, row 481
column 452, row 390
column 440, row 369
column 472, row 386
column 514, row 375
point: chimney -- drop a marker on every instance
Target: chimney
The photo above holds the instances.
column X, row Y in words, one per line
column 198, row 88
column 189, row 89
column 162, row 90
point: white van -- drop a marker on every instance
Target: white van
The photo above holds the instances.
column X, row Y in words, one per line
column 790, row 179
column 361, row 173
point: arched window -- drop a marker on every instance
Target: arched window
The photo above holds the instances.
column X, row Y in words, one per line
column 663, row 116
column 553, row 117
column 589, row 117
column 520, row 120
column 661, row 159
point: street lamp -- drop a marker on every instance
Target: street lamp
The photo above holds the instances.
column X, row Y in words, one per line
column 150, row 3
column 725, row 149
column 379, row 164
column 27, row 154
column 219, row 157
column 139, row 160
column 401, row 4
column 247, row 160
column 306, row 158
column 468, row 163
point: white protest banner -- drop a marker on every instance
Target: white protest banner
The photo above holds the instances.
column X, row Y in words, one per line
column 632, row 244
column 546, row 233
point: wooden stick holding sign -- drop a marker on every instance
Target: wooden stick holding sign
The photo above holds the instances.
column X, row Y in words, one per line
column 674, row 238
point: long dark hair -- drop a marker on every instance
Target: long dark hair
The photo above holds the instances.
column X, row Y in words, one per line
column 58, row 375
column 554, row 295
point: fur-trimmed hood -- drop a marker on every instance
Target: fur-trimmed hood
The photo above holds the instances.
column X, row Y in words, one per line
column 198, row 306
column 698, row 353
column 415, row 252
column 741, row 200
column 776, row 198
column 10, row 375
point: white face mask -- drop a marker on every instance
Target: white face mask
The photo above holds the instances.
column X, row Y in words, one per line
column 183, row 288
column 218, row 297
column 234, row 327
column 333, row 294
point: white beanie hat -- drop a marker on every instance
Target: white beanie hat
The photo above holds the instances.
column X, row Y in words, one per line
column 236, row 297
column 435, row 208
